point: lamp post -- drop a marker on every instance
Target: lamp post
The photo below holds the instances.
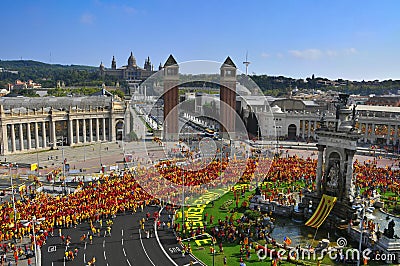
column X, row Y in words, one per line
column 12, row 195
column 362, row 213
column 213, row 243
column 63, row 165
column 100, row 155
column 63, row 160
column 33, row 221
column 277, row 138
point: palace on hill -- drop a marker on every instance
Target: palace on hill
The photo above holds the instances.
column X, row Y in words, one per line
column 131, row 72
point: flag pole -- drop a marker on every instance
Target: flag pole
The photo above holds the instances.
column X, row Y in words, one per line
column 312, row 243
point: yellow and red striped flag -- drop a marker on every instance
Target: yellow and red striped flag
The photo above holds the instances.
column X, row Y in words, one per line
column 324, row 208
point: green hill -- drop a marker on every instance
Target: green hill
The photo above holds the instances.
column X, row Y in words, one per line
column 49, row 74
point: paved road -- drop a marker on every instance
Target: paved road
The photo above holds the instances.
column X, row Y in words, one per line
column 127, row 245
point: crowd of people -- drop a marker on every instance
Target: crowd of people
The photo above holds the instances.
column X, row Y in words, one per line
column 118, row 193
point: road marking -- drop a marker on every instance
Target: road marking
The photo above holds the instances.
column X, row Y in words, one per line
column 123, row 249
column 128, row 262
column 84, row 258
column 145, row 252
column 159, row 242
column 122, row 232
column 104, row 252
column 122, row 241
column 104, row 243
column 85, row 246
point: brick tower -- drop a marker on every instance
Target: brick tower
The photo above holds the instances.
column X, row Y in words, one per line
column 228, row 96
column 171, row 98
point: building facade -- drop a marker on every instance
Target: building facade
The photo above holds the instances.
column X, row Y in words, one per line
column 377, row 124
column 131, row 72
column 29, row 124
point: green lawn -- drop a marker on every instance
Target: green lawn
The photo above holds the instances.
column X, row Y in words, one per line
column 232, row 250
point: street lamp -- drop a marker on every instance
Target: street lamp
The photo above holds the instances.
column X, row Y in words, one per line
column 277, row 138
column 362, row 213
column 33, row 221
column 12, row 194
column 63, row 160
column 213, row 243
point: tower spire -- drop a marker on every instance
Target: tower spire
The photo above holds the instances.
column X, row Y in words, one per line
column 247, row 62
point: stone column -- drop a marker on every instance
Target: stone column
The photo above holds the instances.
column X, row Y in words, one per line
column 5, row 138
column 320, row 162
column 21, row 137
column 303, row 128
column 36, row 129
column 104, row 129
column 349, row 173
column 13, row 145
column 97, row 130
column 309, row 129
column 91, row 130
column 84, row 130
column 111, row 129
column 77, row 131
column 28, row 134
column 388, row 134
column 366, row 133
column 44, row 134
column 70, row 131
column 315, row 127
column 53, row 136
column 128, row 119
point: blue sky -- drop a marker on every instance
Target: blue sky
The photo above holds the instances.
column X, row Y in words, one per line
column 335, row 39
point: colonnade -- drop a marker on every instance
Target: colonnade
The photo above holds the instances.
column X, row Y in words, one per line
column 370, row 130
column 25, row 136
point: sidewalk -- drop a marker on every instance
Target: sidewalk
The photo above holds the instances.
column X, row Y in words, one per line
column 22, row 261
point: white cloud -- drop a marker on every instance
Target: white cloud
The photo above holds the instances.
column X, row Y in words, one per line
column 351, row 50
column 87, row 18
column 116, row 7
column 265, row 55
column 308, row 54
column 316, row 54
column 129, row 10
column 331, row 53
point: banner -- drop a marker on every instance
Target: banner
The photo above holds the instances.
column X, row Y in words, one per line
column 34, row 166
column 324, row 208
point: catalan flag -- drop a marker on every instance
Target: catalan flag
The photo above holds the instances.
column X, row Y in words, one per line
column 287, row 240
column 324, row 208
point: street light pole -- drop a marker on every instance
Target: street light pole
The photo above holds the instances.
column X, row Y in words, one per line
column 213, row 242
column 361, row 234
column 12, row 196
column 33, row 221
column 63, row 165
column 34, row 239
column 100, row 156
